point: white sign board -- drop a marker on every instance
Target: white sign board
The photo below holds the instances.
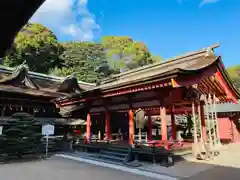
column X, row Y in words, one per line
column 1, row 130
column 47, row 129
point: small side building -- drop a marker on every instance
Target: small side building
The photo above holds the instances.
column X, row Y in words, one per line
column 24, row 91
column 229, row 122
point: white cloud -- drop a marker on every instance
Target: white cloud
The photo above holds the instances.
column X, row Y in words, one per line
column 204, row 2
column 68, row 17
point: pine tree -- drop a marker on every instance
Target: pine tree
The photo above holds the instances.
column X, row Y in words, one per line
column 21, row 135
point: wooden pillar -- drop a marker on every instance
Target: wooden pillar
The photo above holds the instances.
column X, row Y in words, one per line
column 203, row 123
column 163, row 123
column 108, row 126
column 88, row 127
column 149, row 126
column 174, row 127
column 131, row 127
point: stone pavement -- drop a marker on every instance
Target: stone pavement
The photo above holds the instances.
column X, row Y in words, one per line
column 63, row 169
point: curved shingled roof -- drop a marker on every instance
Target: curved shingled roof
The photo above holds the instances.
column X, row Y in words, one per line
column 192, row 62
column 22, row 80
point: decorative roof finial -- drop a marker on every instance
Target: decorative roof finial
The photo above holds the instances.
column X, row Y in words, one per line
column 24, row 62
column 210, row 52
column 74, row 74
column 22, row 66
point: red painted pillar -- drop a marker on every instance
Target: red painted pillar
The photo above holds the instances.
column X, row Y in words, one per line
column 163, row 123
column 108, row 126
column 149, row 126
column 203, row 123
column 174, row 127
column 88, row 127
column 131, row 127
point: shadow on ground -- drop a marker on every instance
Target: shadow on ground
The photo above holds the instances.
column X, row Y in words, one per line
column 25, row 159
column 216, row 173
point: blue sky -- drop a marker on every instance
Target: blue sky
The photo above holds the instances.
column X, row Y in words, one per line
column 167, row 27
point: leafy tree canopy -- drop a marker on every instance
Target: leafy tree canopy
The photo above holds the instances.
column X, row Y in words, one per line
column 234, row 73
column 38, row 46
column 83, row 58
column 125, row 54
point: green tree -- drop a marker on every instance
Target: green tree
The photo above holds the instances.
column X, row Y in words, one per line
column 156, row 59
column 21, row 135
column 234, row 73
column 84, row 59
column 123, row 53
column 38, row 46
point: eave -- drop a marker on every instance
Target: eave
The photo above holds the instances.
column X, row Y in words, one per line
column 228, row 81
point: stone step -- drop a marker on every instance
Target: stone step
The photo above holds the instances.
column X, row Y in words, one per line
column 133, row 163
column 114, row 158
column 112, row 153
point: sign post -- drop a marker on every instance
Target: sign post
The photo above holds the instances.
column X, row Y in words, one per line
column 46, row 145
column 47, row 130
column 1, row 130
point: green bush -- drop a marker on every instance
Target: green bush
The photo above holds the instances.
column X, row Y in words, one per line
column 21, row 135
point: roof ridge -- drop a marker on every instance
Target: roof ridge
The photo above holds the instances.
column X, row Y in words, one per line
column 170, row 60
column 165, row 62
column 42, row 75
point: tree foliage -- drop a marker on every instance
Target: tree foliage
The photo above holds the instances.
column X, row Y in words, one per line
column 234, row 73
column 125, row 54
column 82, row 58
column 38, row 46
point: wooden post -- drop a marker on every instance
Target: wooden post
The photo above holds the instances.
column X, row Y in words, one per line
column 203, row 123
column 131, row 127
column 108, row 126
column 174, row 128
column 163, row 123
column 209, row 122
column 88, row 128
column 149, row 126
column 195, row 138
column 216, row 120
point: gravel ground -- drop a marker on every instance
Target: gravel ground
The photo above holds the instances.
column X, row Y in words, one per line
column 229, row 157
column 62, row 169
column 217, row 173
column 224, row 167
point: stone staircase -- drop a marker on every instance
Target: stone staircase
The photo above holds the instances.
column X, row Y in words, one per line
column 118, row 156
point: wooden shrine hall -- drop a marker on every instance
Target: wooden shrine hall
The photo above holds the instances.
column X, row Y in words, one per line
column 190, row 84
column 25, row 91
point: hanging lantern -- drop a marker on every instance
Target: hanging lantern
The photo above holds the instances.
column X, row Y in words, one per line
column 140, row 118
